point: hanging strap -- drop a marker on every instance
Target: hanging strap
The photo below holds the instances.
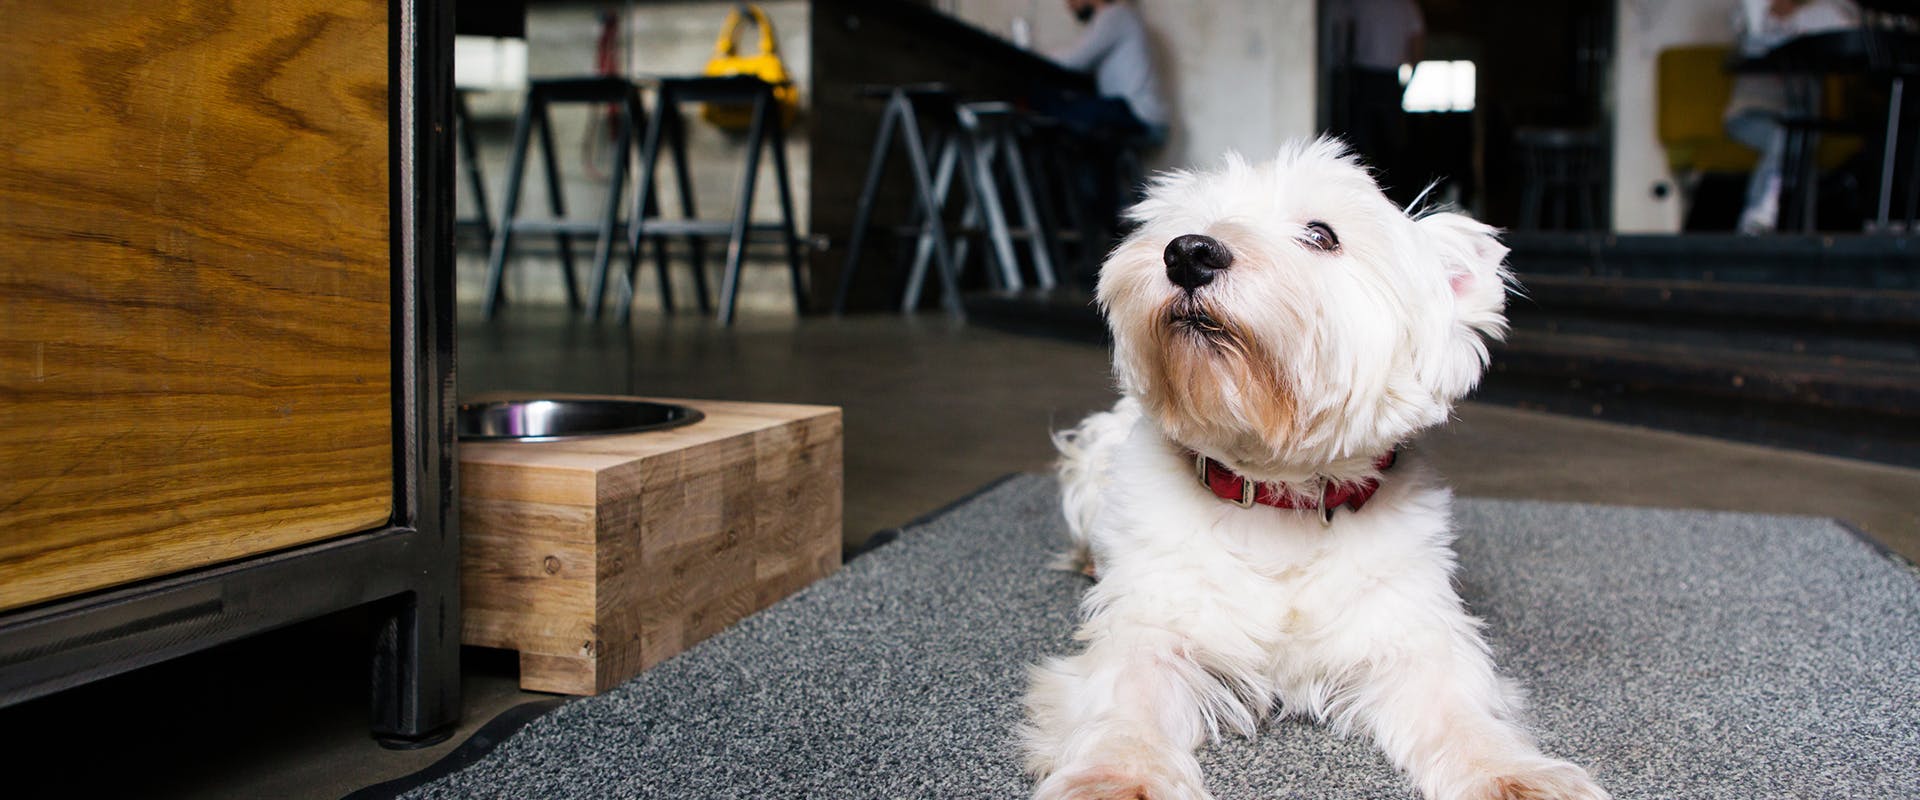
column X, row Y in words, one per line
column 730, row 31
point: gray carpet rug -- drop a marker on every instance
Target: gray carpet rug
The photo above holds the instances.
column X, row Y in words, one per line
column 1675, row 654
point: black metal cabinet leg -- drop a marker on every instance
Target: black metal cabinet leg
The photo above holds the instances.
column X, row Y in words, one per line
column 416, row 670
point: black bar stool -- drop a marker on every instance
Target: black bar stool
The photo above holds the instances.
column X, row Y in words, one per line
column 992, row 147
column 541, row 94
column 901, row 119
column 765, row 131
column 984, row 145
column 1053, row 159
column 1562, row 168
column 1893, row 54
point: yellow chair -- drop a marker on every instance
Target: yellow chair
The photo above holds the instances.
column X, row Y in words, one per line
column 1693, row 89
column 1693, row 86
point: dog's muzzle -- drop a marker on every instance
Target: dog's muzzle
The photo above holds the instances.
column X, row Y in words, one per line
column 1193, row 260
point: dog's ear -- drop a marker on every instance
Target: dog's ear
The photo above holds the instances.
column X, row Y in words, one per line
column 1473, row 258
column 1475, row 262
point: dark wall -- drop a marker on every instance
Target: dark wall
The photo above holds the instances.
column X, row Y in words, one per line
column 1539, row 64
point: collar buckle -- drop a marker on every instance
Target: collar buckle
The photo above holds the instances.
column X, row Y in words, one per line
column 1248, row 494
column 1249, row 490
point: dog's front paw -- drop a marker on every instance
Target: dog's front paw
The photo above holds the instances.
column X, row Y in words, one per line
column 1119, row 782
column 1547, row 780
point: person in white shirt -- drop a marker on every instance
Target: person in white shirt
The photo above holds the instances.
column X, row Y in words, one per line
column 1114, row 49
column 1754, row 108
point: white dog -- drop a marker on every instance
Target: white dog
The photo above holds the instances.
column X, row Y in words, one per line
column 1279, row 330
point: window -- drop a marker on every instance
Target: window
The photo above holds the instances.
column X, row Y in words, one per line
column 1440, row 86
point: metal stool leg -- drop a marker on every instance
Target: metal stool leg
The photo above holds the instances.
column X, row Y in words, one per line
column 557, row 203
column 1039, row 243
column 932, row 224
column 788, row 231
column 977, row 152
column 662, row 260
column 642, row 200
column 737, row 237
column 863, row 210
column 1889, row 152
column 923, row 244
column 1913, row 184
column 1811, row 208
column 683, row 177
column 1045, row 203
column 463, row 120
column 616, row 183
column 646, row 206
column 503, row 235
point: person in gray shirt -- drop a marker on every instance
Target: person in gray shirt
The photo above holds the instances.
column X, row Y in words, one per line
column 1114, row 49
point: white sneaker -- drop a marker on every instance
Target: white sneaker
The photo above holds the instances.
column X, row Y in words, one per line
column 1765, row 217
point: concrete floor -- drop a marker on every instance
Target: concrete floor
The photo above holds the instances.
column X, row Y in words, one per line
column 933, row 409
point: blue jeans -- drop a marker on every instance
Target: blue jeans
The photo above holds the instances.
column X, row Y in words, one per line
column 1102, row 117
column 1760, row 131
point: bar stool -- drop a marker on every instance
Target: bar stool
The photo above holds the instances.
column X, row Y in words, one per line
column 992, row 139
column 469, row 150
column 1805, row 63
column 1052, row 157
column 764, row 132
column 541, row 94
column 901, row 120
column 1560, row 166
column 1893, row 55
column 979, row 143
column 983, row 145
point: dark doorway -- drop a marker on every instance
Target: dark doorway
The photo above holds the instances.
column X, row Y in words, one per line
column 1524, row 142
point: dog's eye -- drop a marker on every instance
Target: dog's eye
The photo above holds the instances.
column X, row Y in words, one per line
column 1320, row 237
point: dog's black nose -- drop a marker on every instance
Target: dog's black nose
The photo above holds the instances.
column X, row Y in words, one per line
column 1193, row 259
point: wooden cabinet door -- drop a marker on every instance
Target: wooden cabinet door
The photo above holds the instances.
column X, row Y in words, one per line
column 195, row 285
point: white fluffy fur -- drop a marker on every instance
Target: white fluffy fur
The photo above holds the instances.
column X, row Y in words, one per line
column 1207, row 617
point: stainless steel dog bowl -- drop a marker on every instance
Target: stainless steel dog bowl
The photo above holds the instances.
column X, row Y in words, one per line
column 549, row 420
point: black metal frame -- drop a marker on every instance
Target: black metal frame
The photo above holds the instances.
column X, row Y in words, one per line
column 408, row 569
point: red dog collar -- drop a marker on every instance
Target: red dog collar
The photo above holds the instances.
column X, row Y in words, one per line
column 1231, row 486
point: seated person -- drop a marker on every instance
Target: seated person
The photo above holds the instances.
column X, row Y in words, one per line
column 1754, row 109
column 1114, row 49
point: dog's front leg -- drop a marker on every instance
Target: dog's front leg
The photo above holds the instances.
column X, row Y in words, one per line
column 1119, row 721
column 1441, row 713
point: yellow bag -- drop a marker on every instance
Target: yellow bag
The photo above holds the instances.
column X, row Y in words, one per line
column 765, row 65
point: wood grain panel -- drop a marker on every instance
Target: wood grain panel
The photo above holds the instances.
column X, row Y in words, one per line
column 195, row 355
